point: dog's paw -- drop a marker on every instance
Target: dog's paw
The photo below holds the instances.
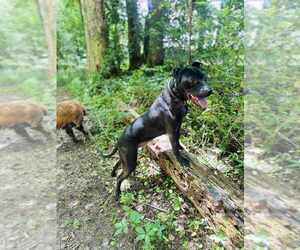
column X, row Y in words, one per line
column 126, row 185
column 183, row 160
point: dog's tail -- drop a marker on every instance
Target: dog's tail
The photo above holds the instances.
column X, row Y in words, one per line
column 115, row 149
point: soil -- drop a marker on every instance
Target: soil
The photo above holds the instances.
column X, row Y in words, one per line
column 85, row 205
column 55, row 198
column 62, row 197
column 27, row 190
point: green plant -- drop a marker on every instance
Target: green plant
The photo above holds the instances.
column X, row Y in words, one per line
column 196, row 224
column 146, row 232
column 127, row 198
column 75, row 223
column 219, row 239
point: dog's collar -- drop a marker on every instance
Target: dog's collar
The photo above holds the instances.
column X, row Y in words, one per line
column 170, row 90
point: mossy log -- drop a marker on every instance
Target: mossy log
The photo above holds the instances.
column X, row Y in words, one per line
column 216, row 199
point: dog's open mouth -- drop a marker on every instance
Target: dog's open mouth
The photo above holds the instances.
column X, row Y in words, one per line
column 200, row 101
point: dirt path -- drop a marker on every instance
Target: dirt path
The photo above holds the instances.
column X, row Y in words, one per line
column 85, row 205
column 28, row 198
column 54, row 199
column 27, row 191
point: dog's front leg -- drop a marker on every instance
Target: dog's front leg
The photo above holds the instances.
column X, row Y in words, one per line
column 177, row 136
column 173, row 133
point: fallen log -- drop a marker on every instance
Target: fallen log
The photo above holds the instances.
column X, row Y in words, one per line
column 216, row 199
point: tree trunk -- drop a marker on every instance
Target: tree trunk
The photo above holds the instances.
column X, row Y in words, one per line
column 96, row 32
column 190, row 27
column 154, row 33
column 216, row 199
column 146, row 39
column 203, row 12
column 47, row 12
column 115, row 48
column 134, row 37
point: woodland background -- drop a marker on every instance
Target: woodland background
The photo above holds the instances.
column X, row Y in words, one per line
column 129, row 49
column 126, row 50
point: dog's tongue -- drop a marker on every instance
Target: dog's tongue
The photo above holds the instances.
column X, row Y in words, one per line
column 200, row 101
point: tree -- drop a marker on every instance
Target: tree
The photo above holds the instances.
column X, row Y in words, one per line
column 115, row 52
column 134, row 31
column 96, row 32
column 47, row 13
column 203, row 24
column 190, row 26
column 154, row 33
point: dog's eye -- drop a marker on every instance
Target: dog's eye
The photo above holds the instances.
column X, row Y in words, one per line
column 190, row 85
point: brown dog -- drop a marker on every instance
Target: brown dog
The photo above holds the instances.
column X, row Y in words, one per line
column 70, row 114
column 18, row 115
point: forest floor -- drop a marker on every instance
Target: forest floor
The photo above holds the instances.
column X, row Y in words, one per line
column 63, row 198
column 27, row 190
column 54, row 199
column 87, row 212
column 86, row 208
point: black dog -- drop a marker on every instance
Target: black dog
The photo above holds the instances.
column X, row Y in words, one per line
column 164, row 116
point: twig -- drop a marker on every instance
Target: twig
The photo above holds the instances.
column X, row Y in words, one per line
column 149, row 219
column 158, row 208
column 105, row 201
column 283, row 137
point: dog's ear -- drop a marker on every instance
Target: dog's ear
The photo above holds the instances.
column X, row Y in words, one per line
column 176, row 73
column 197, row 64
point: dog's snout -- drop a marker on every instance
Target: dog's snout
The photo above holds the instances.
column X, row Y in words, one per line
column 207, row 91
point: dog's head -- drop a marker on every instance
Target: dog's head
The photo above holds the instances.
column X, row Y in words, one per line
column 191, row 84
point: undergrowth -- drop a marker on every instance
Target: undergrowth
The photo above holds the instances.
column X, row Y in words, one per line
column 173, row 223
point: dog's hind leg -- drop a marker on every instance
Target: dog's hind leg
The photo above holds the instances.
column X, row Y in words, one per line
column 120, row 179
column 128, row 157
column 115, row 168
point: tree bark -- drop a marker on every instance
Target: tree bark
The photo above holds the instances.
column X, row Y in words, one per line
column 115, row 48
column 146, row 39
column 154, row 33
column 96, row 33
column 47, row 12
column 190, row 27
column 134, row 34
column 216, row 199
